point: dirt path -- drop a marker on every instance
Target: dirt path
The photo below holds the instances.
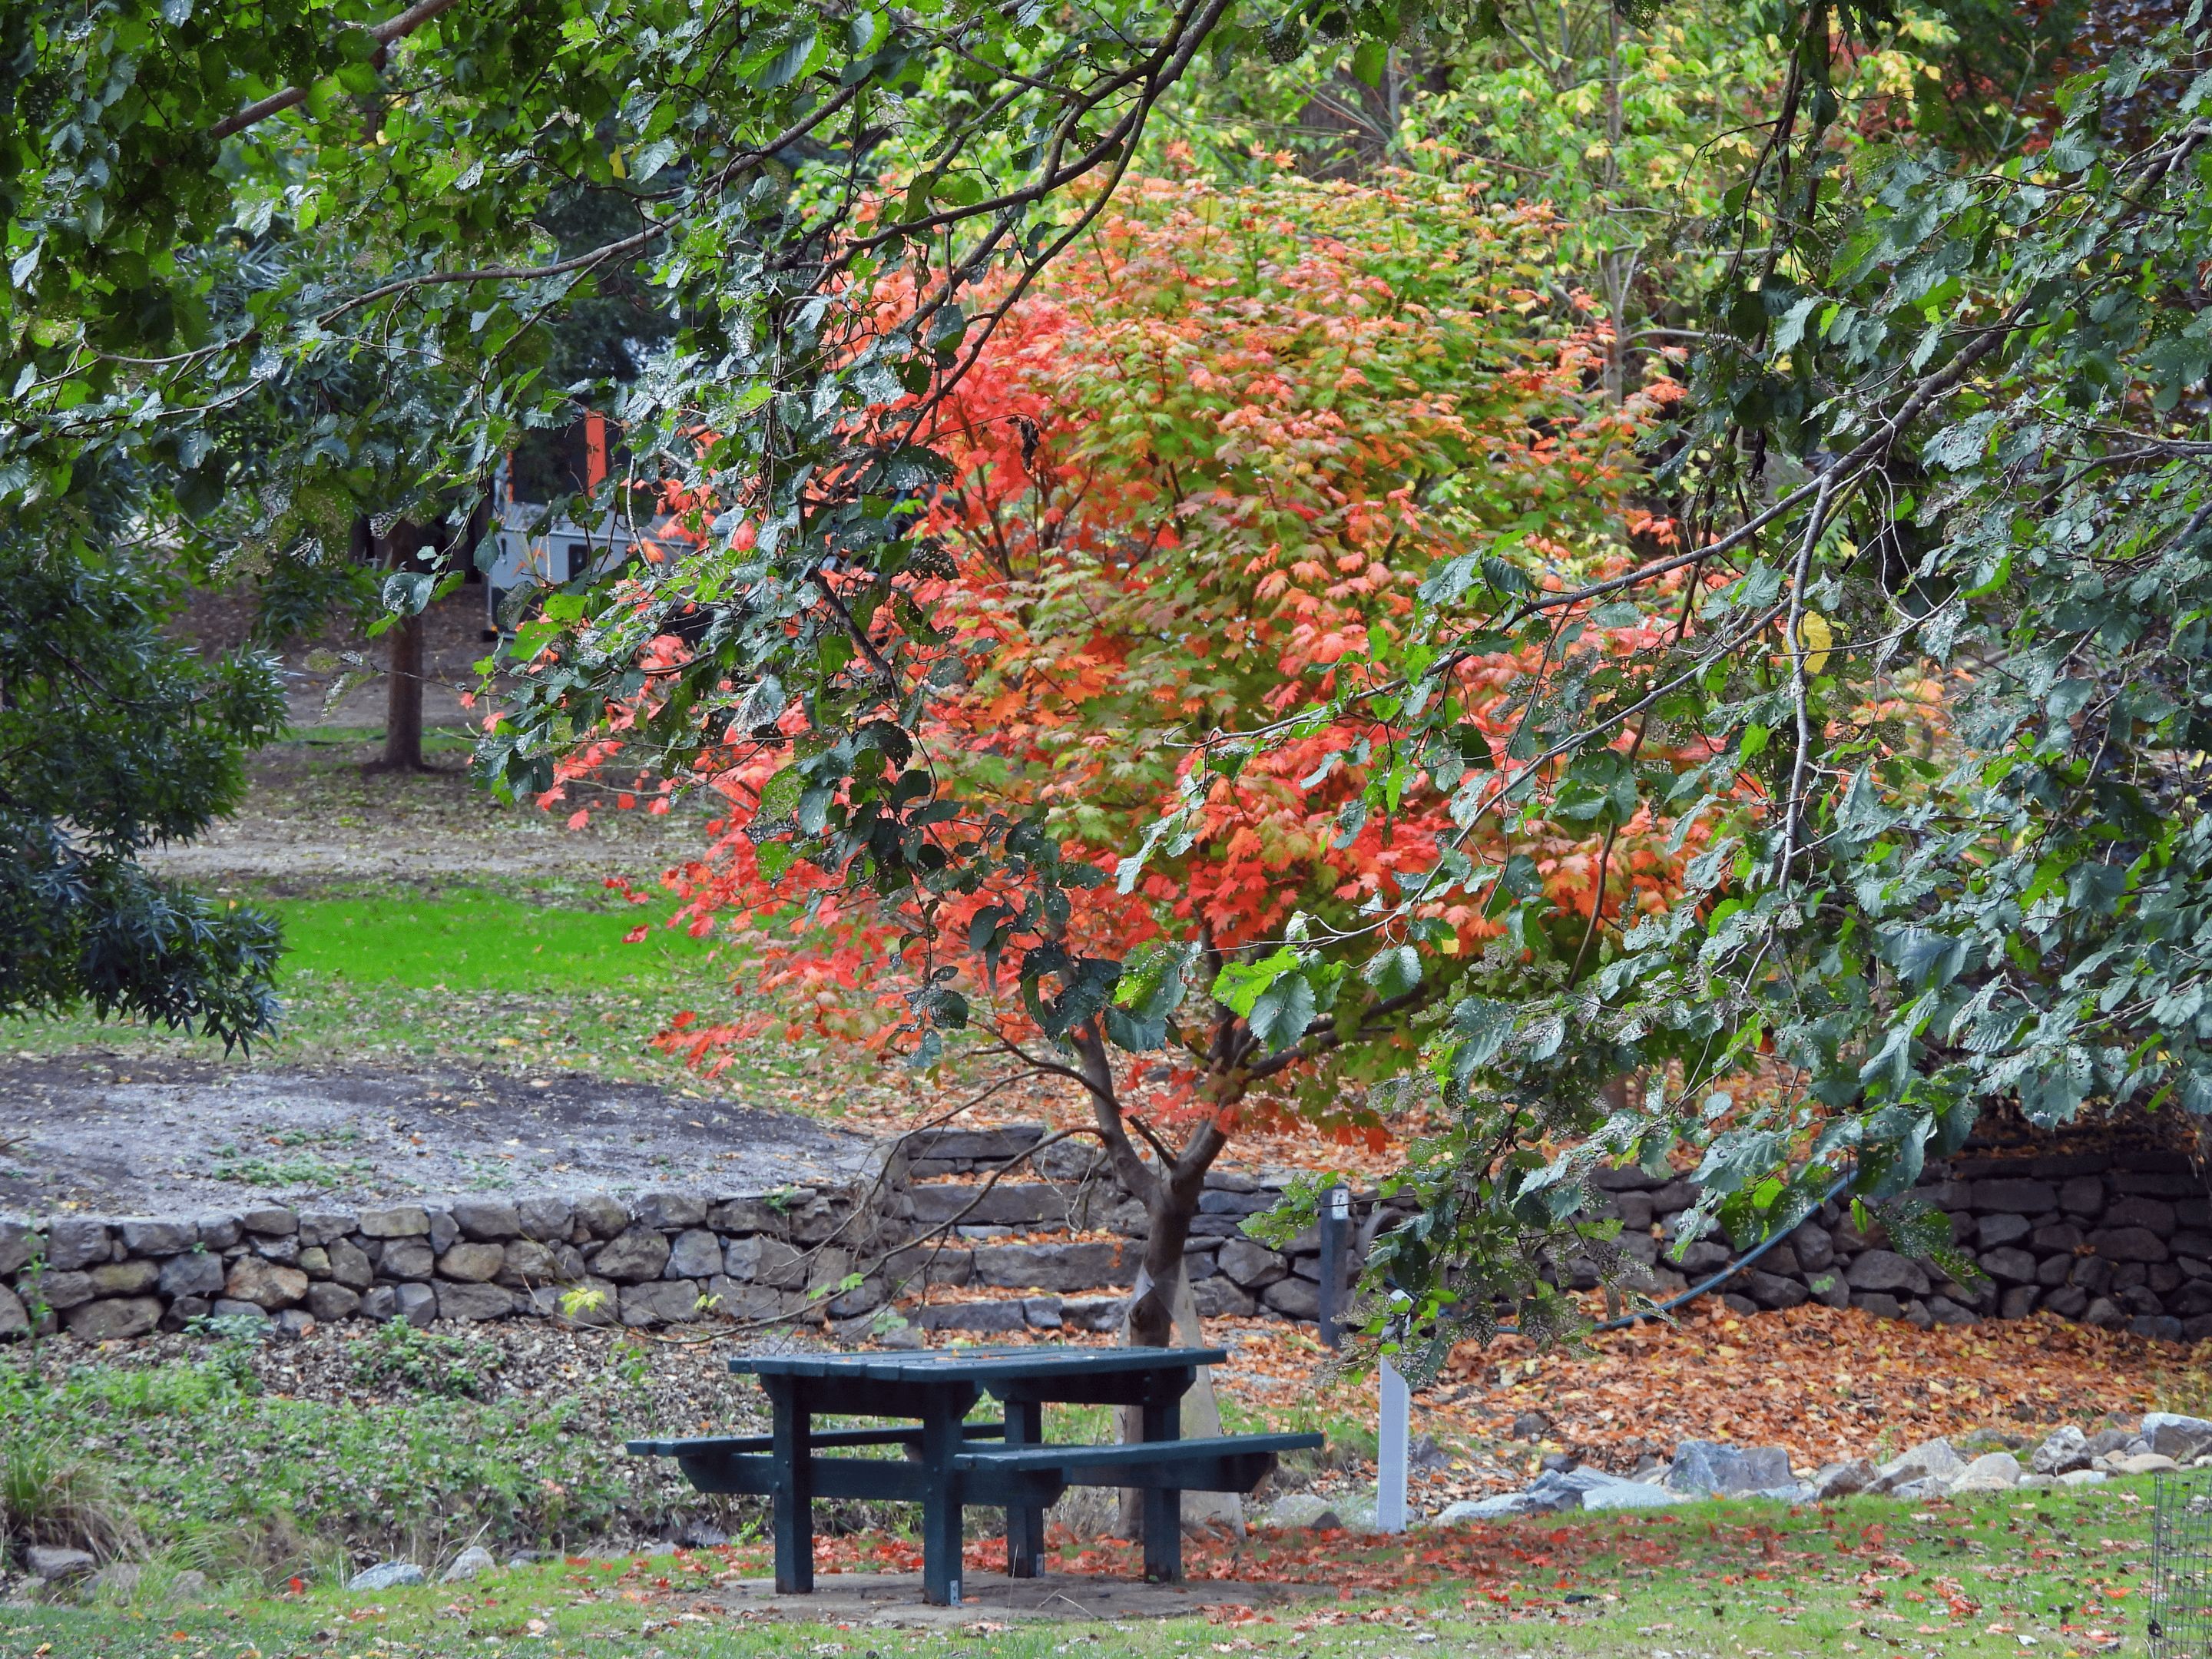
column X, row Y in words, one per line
column 99, row 1132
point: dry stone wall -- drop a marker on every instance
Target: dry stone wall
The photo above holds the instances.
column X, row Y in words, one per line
column 978, row 1230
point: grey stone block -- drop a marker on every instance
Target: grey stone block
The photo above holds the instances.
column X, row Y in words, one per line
column 599, row 1215
column 1707, row 1465
column 1040, row 1313
column 1251, row 1265
column 1634, row 1210
column 2009, row 1266
column 445, row 1232
column 2018, row 1193
column 2153, row 1213
column 73, row 1242
column 1230, row 1181
column 270, row 1221
column 402, row 1221
column 18, row 1244
column 331, row 1301
column 349, row 1264
column 159, row 1237
column 1081, row 1266
column 2018, row 1302
column 696, row 1254
column 473, row 1301
column 180, row 1312
column 406, row 1258
column 125, row 1278
column 1222, row 1298
column 2105, row 1314
column 196, row 1273
column 325, row 1227
column 661, row 1301
column 2127, row 1245
column 1773, row 1291
column 1828, row 1288
column 1886, row 1270
column 769, row 1261
column 1815, row 1246
column 2159, row 1327
column 266, row 1285
column 113, row 1320
column 747, row 1215
column 1011, row 1203
column 490, row 1221
column 670, row 1212
column 544, row 1218
column 1944, row 1311
column 1880, row 1304
column 379, row 1303
column 739, row 1299
column 993, row 1146
column 986, row 1316
column 639, row 1254
column 418, row 1304
column 526, row 1262
column 1994, row 1232
column 1294, row 1298
column 2067, row 1301
column 472, row 1262
column 276, row 1248
column 1102, row 1314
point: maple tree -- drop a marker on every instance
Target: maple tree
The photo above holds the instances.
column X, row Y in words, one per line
column 1197, row 476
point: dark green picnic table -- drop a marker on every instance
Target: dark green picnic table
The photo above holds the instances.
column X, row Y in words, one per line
column 950, row 1462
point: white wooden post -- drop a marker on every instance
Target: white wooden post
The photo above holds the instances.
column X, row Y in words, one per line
column 1390, row 1451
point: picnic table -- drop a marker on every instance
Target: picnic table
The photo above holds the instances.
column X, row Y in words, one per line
column 950, row 1462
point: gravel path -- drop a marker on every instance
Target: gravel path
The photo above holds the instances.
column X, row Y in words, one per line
column 119, row 1136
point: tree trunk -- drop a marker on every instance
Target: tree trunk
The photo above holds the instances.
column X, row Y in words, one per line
column 403, row 680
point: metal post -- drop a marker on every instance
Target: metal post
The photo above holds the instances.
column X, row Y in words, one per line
column 1335, row 1225
column 1390, row 1451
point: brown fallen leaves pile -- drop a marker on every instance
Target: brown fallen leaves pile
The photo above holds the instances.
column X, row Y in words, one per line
column 1826, row 1383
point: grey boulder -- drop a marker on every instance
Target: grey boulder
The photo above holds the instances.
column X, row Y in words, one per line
column 56, row 1565
column 2180, row 1437
column 471, row 1562
column 1707, row 1465
column 1844, row 1479
column 386, row 1574
column 2065, row 1449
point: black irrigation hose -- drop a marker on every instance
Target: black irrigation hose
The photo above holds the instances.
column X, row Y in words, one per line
column 1699, row 1290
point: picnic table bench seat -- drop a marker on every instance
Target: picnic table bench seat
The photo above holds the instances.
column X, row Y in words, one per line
column 949, row 1462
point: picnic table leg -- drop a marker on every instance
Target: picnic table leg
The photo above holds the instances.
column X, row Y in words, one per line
column 1024, row 1522
column 940, row 1505
column 793, row 1434
column 1163, row 1507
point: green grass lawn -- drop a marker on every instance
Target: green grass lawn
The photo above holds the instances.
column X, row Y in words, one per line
column 475, row 939
column 219, row 1461
column 1869, row 1577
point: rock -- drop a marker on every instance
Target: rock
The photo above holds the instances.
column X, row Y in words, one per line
column 224, row 1308
column 633, row 1257
column 2009, row 1266
column 159, row 1237
column 324, row 1227
column 1081, row 1266
column 117, row 1581
column 190, row 1583
column 771, row 1261
column 2142, row 1463
column 1815, row 1246
column 1483, row 1509
column 61, row 1291
column 989, row 1316
column 473, row 1263
column 1251, row 1265
column 2062, row 1449
column 1707, row 1465
column 2185, row 1438
column 1222, row 1298
column 113, row 1321
column 2105, row 1314
column 1531, row 1425
column 403, row 1221
column 2156, row 1327
column 18, row 1244
column 1099, row 1313
column 1844, row 1479
column 696, row 1254
column 1294, row 1298
column 407, row 1258
column 473, row 1302
column 2019, row 1301
column 265, row 1284
column 416, row 1303
column 1829, row 1290
column 1930, row 1459
column 1991, row 1472
column 1773, row 1291
column 272, row 1221
column 386, row 1574
column 296, row 1322
column 1941, row 1310
column 1632, row 1495
column 2084, row 1478
column 2127, row 1245
column 15, row 1318
column 1996, row 1231
column 314, row 1261
column 486, row 1221
column 1886, row 1270
column 73, row 1242
column 2026, row 1197
column 2033, row 1482
column 669, row 1211
column 1881, row 1303
column 1302, row 1509
column 330, row 1302
column 285, row 1250
column 55, row 1565
column 525, row 1262
column 700, row 1535
column 471, row 1562
column 676, row 1302
column 123, row 1278
column 548, row 1220
column 349, row 1264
